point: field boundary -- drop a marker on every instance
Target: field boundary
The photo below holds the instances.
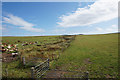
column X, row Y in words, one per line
column 39, row 70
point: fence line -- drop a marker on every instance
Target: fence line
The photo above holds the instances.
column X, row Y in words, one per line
column 39, row 70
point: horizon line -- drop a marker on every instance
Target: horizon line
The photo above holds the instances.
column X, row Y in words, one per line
column 57, row 35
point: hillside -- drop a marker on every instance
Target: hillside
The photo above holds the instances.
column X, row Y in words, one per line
column 97, row 54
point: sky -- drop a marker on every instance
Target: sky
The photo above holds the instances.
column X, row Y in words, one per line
column 59, row 18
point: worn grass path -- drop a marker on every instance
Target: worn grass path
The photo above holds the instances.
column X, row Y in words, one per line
column 97, row 54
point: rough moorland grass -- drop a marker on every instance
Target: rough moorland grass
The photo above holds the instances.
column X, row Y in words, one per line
column 97, row 54
column 41, row 40
column 14, row 71
column 12, row 40
column 13, row 67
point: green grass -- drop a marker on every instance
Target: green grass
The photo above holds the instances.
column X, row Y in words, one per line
column 41, row 40
column 15, row 69
column 97, row 54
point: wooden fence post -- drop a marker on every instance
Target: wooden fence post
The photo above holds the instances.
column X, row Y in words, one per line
column 87, row 75
column 32, row 72
column 23, row 59
column 48, row 64
column 6, row 70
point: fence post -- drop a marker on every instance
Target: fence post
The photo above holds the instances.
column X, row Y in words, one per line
column 23, row 59
column 32, row 72
column 87, row 75
column 48, row 64
column 6, row 70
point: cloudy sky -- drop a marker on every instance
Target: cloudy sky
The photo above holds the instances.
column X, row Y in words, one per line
column 57, row 18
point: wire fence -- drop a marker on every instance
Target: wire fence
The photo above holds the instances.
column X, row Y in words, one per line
column 39, row 70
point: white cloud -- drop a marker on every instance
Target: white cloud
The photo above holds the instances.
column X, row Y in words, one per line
column 98, row 30
column 14, row 20
column 111, row 29
column 97, row 12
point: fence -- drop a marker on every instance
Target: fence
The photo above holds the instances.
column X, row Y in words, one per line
column 39, row 70
column 34, row 60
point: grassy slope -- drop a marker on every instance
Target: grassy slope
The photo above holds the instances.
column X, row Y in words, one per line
column 97, row 54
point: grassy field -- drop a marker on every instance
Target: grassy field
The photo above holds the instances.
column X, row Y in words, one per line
column 97, row 54
column 12, row 67
column 50, row 47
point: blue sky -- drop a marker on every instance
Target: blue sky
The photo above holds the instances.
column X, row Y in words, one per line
column 57, row 18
